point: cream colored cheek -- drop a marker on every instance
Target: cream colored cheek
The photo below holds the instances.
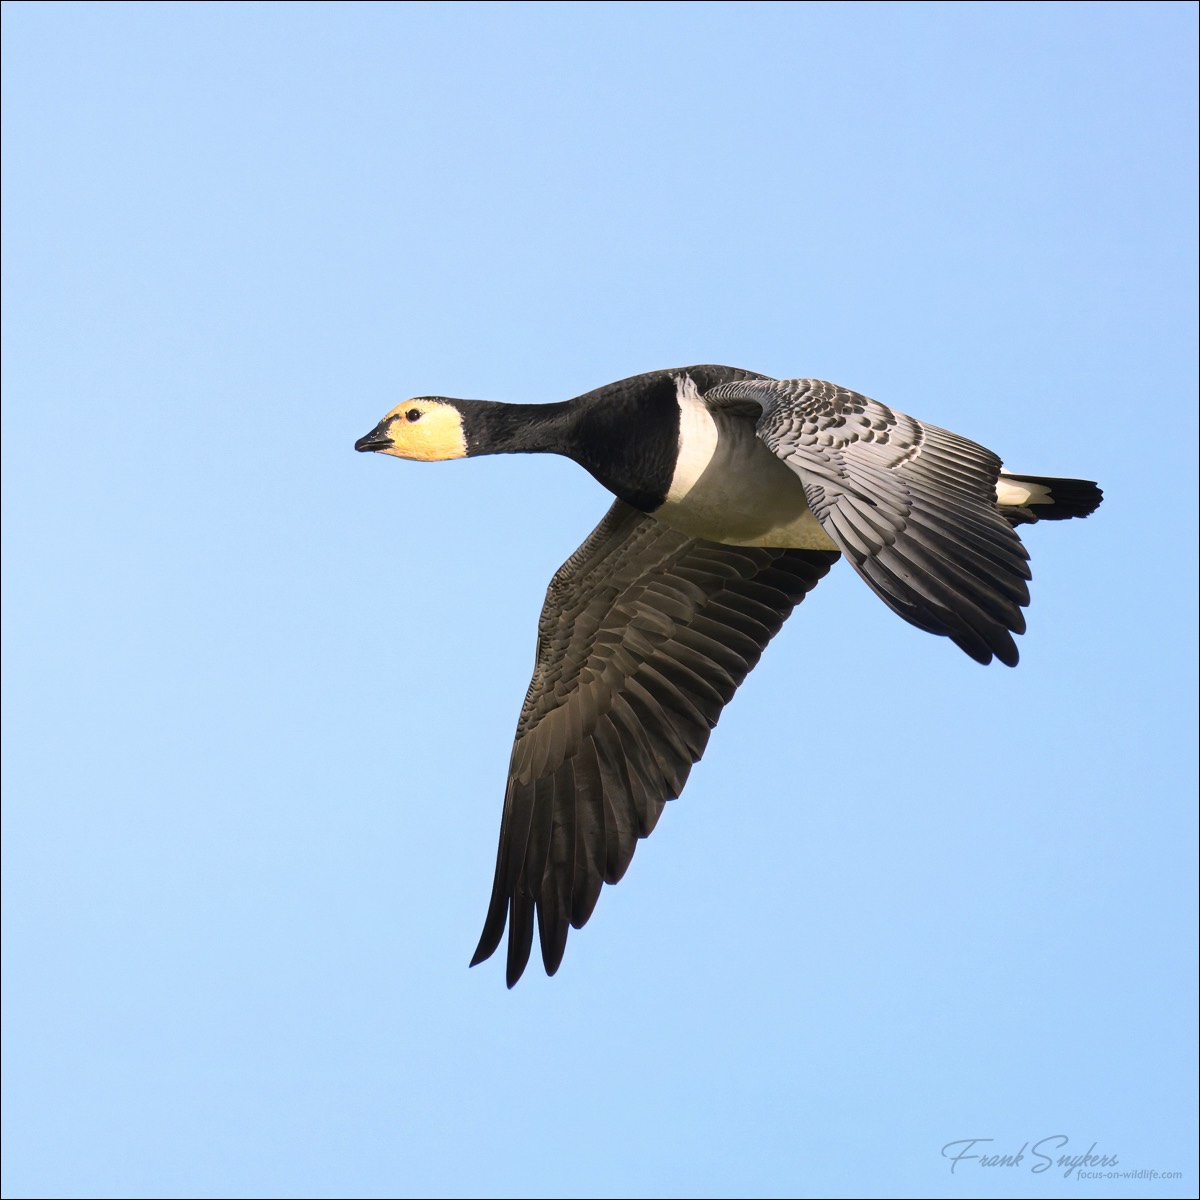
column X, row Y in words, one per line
column 433, row 438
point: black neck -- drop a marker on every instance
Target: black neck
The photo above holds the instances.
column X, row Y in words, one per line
column 625, row 434
column 494, row 428
column 626, row 440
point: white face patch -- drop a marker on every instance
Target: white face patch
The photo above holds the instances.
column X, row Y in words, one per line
column 697, row 438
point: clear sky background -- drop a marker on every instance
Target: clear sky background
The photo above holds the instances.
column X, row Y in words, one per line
column 261, row 690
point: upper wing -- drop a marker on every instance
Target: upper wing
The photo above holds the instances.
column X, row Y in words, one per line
column 644, row 636
column 912, row 506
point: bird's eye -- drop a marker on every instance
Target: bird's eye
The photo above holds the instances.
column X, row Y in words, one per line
column 413, row 414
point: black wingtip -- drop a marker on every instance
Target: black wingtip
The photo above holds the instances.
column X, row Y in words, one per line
column 489, row 941
column 513, row 973
column 1010, row 655
column 520, row 935
column 971, row 642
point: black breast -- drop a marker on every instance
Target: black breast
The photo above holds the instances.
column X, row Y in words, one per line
column 626, row 434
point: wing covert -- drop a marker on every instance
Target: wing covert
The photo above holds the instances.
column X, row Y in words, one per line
column 911, row 505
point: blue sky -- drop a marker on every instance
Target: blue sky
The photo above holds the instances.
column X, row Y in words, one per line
column 260, row 690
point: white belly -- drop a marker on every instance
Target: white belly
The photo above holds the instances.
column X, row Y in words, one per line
column 728, row 487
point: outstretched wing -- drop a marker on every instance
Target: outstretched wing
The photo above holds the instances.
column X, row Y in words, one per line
column 644, row 637
column 912, row 506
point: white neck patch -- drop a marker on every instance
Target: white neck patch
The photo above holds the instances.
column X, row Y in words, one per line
column 697, row 438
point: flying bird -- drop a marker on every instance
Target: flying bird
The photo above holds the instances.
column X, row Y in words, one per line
column 735, row 493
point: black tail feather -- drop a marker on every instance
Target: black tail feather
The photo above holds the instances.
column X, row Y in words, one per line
column 1066, row 498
